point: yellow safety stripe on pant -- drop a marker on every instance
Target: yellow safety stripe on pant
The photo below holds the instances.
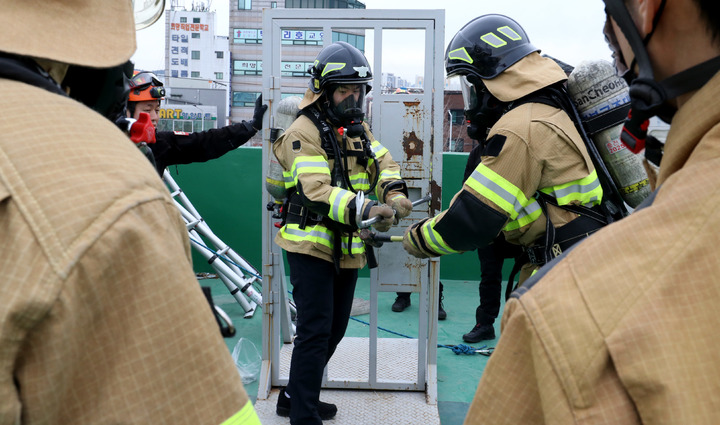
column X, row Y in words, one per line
column 339, row 199
column 309, row 165
column 314, row 234
column 357, row 247
column 245, row 416
column 508, row 197
column 360, row 181
column 433, row 239
column 586, row 190
column 378, row 149
column 289, row 181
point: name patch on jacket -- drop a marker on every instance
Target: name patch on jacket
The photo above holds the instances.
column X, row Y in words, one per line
column 494, row 145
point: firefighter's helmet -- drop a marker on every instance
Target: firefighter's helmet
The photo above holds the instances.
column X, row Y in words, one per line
column 487, row 46
column 339, row 63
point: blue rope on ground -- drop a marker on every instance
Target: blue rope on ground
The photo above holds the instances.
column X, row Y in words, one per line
column 457, row 349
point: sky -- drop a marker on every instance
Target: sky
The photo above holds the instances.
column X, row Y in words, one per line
column 570, row 30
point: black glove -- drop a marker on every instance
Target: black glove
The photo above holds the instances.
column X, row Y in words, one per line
column 258, row 113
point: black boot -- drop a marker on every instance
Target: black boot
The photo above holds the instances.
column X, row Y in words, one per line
column 401, row 302
column 325, row 410
column 480, row 333
column 441, row 311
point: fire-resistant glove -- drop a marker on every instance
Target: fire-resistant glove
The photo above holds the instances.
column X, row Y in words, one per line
column 386, row 212
column 258, row 113
column 409, row 245
column 402, row 205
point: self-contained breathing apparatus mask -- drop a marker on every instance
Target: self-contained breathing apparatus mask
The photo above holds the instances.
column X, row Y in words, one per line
column 345, row 107
column 482, row 109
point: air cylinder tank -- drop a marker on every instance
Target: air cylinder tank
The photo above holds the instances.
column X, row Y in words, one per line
column 596, row 89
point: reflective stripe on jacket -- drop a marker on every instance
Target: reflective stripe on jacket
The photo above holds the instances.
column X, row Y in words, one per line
column 308, row 170
column 533, row 147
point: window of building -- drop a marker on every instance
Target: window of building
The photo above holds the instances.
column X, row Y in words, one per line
column 247, row 67
column 324, row 4
column 195, row 74
column 244, row 98
column 183, row 20
column 219, row 54
column 196, row 20
column 196, row 35
column 247, row 36
column 182, row 125
column 195, row 54
column 244, row 4
column 273, row 5
column 458, row 116
column 352, row 39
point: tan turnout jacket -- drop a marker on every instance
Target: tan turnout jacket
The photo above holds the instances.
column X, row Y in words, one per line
column 101, row 318
column 299, row 151
column 532, row 147
column 623, row 330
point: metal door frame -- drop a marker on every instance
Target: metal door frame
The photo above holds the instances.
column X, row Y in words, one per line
column 274, row 289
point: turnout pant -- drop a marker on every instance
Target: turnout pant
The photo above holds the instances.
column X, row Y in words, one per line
column 323, row 300
column 492, row 258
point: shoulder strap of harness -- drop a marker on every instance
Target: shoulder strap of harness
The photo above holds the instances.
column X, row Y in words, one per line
column 556, row 96
column 612, row 206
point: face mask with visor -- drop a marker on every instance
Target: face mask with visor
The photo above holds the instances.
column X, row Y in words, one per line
column 350, row 112
column 482, row 109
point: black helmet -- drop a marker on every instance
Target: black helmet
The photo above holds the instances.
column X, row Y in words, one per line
column 487, row 46
column 339, row 63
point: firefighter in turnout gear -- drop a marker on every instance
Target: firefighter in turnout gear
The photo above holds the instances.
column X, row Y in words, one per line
column 328, row 155
column 594, row 337
column 535, row 170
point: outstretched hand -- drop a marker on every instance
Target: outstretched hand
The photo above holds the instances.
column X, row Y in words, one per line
column 258, row 113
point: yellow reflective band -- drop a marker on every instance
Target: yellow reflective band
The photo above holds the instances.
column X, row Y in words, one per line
column 493, row 40
column 360, row 181
column 339, row 199
column 315, row 234
column 246, row 416
column 434, row 240
column 309, row 165
column 378, row 149
column 460, row 54
column 389, row 174
column 508, row 197
column 585, row 191
column 289, row 181
column 524, row 220
column 330, row 67
column 358, row 247
column 509, row 33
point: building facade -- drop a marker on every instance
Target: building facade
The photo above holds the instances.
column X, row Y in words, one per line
column 196, row 60
column 300, row 46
